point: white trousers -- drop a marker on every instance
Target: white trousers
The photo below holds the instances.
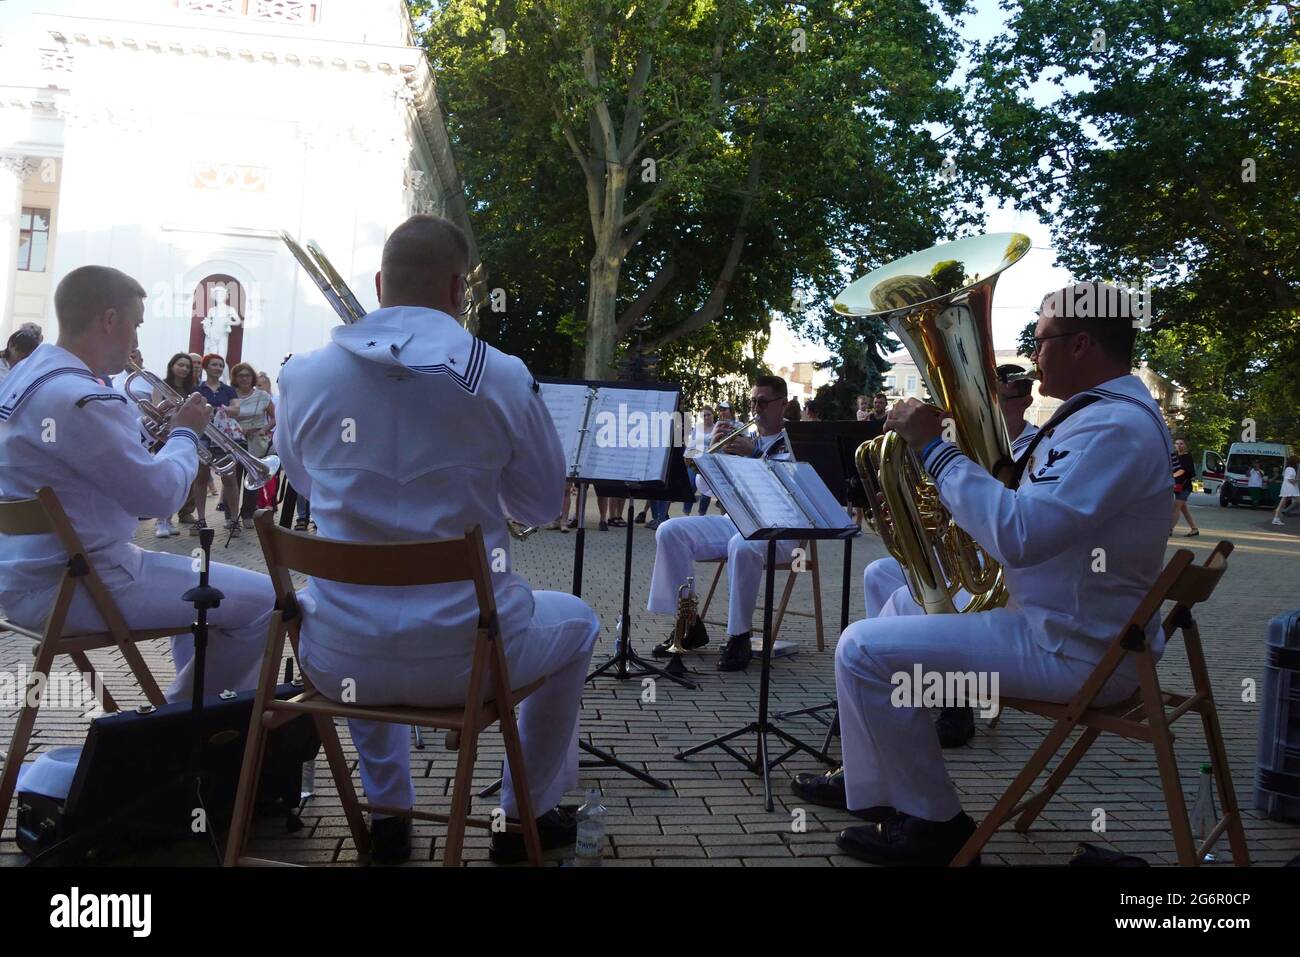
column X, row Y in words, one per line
column 150, row 598
column 680, row 542
column 557, row 646
column 892, row 755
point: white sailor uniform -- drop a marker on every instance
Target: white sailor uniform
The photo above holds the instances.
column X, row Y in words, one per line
column 884, row 584
column 408, row 428
column 682, row 541
column 60, row 427
column 1093, row 496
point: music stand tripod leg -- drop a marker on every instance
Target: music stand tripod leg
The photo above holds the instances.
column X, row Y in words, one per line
column 623, row 653
column 761, row 763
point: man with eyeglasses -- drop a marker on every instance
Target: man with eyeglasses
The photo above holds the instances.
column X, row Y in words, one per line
column 885, row 588
column 680, row 542
column 1093, row 483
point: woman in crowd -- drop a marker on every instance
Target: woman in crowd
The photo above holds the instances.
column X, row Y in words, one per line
column 21, row 344
column 1184, row 472
column 256, row 410
column 225, row 401
column 179, row 377
column 699, row 442
column 1290, row 492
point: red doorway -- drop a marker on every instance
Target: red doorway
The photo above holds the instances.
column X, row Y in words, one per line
column 203, row 298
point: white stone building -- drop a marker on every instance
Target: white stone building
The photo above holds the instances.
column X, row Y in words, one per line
column 174, row 139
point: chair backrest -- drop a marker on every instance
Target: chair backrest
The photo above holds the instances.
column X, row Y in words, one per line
column 1196, row 583
column 1183, row 583
column 26, row 516
column 44, row 515
column 354, row 563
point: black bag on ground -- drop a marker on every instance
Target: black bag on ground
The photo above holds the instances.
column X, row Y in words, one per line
column 129, row 790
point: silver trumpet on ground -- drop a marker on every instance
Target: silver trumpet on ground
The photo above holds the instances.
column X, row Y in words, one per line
column 222, row 454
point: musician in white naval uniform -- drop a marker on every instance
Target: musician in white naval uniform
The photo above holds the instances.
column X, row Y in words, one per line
column 680, row 542
column 1095, row 482
column 408, row 428
column 885, row 589
column 64, row 429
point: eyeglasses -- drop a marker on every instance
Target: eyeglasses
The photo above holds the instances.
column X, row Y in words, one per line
column 758, row 405
column 1039, row 340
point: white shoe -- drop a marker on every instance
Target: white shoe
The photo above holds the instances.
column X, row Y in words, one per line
column 1278, row 521
column 164, row 529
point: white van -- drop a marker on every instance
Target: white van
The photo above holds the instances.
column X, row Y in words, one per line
column 1230, row 477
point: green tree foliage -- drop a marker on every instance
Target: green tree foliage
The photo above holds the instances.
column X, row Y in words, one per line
column 670, row 173
column 1169, row 158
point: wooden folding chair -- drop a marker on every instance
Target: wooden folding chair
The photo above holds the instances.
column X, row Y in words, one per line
column 809, row 565
column 414, row 563
column 1142, row 717
column 44, row 515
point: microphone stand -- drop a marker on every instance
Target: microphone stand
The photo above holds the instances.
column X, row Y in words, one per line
column 203, row 597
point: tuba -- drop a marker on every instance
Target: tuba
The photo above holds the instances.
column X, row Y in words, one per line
column 938, row 303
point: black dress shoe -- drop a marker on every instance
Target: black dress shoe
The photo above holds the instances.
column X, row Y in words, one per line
column 390, row 840
column 696, row 637
column 907, row 841
column 557, row 828
column 827, row 790
column 735, row 656
column 955, row 726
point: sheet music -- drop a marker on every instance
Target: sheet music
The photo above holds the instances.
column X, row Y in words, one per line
column 630, row 435
column 769, row 500
column 568, row 407
column 769, row 496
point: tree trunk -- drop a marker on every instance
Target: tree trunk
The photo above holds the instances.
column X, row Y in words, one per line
column 602, row 299
column 605, row 270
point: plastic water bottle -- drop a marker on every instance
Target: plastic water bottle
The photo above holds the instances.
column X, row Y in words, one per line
column 591, row 831
column 308, row 780
column 1204, row 816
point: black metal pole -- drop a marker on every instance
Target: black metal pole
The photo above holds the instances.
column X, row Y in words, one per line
column 203, row 597
column 580, row 542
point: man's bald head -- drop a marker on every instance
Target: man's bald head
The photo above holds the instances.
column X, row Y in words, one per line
column 424, row 264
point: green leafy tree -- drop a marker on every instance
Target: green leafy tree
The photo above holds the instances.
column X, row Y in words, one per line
column 1168, row 158
column 683, row 167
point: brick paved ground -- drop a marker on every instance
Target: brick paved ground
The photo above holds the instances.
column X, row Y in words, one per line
column 713, row 814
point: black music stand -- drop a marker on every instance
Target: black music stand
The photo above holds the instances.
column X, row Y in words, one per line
column 676, row 488
column 762, row 763
column 831, row 449
column 673, row 491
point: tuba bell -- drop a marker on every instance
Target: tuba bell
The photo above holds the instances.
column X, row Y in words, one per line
column 938, row 303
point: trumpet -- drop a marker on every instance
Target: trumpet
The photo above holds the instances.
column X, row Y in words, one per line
column 223, row 455
column 726, row 439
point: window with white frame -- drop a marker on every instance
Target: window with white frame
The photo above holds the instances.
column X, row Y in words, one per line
column 33, row 239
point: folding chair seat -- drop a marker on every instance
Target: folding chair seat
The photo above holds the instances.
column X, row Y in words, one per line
column 809, row 564
column 489, row 698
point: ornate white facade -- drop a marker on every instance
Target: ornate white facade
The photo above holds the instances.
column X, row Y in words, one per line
column 173, row 139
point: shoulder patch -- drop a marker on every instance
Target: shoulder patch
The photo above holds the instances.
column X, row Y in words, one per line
column 16, row 399
column 101, row 397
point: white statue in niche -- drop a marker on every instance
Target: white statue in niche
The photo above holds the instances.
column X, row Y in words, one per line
column 221, row 318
